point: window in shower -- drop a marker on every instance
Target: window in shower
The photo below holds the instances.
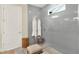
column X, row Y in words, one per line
column 55, row 9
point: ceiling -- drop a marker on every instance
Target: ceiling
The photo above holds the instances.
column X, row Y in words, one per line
column 39, row 5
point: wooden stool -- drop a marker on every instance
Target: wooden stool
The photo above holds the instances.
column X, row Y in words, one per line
column 25, row 42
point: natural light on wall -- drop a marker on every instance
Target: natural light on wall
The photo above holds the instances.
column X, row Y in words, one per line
column 54, row 16
column 56, row 9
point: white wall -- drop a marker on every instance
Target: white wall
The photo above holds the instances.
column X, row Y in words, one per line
column 25, row 21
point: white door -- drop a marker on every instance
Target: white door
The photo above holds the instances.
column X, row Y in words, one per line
column 0, row 27
column 12, row 26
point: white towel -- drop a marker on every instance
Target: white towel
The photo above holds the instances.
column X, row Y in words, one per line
column 34, row 27
column 39, row 27
column 34, row 48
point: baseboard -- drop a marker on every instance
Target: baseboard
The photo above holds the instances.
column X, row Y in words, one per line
column 6, row 49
